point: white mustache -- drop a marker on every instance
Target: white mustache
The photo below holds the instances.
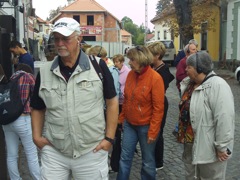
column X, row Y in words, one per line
column 62, row 48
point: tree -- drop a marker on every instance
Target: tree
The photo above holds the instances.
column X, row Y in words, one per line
column 178, row 16
column 163, row 4
column 138, row 33
column 184, row 18
column 54, row 13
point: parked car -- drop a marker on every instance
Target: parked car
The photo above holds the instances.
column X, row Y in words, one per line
column 237, row 74
column 170, row 54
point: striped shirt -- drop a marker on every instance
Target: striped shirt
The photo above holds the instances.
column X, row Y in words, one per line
column 26, row 85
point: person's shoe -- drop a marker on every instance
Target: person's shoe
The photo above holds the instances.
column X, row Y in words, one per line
column 159, row 168
column 175, row 133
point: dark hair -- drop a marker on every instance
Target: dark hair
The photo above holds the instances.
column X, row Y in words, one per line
column 24, row 67
column 14, row 44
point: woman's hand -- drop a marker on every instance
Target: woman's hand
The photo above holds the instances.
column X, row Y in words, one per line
column 223, row 156
column 150, row 140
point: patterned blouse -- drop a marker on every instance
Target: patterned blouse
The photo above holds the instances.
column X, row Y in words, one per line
column 185, row 132
column 26, row 85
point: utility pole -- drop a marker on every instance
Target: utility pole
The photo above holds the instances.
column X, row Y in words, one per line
column 146, row 21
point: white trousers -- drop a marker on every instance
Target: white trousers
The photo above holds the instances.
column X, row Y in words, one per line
column 91, row 166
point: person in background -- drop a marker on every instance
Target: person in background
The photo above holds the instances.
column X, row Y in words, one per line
column 101, row 52
column 21, row 128
column 181, row 67
column 158, row 50
column 181, row 73
column 206, row 120
column 142, row 113
column 68, row 120
column 123, row 69
column 193, row 41
column 181, row 53
column 22, row 55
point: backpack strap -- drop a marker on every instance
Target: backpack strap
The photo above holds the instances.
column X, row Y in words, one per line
column 207, row 77
column 96, row 66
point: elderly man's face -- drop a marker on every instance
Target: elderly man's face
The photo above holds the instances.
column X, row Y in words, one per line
column 66, row 45
column 192, row 49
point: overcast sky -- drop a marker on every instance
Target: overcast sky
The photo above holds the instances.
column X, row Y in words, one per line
column 134, row 9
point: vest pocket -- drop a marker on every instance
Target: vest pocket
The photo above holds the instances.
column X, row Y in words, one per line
column 92, row 126
column 52, row 96
column 86, row 94
column 56, row 133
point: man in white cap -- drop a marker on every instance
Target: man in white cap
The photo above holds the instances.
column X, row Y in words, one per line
column 67, row 110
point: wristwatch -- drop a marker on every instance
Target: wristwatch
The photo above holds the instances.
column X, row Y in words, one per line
column 109, row 139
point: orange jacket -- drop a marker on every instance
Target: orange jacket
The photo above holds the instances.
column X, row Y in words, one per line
column 144, row 100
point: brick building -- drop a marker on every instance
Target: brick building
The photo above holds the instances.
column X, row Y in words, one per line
column 96, row 22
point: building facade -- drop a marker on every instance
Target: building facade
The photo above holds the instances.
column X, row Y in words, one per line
column 97, row 24
column 233, row 30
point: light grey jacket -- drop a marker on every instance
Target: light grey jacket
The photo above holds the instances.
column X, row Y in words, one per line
column 212, row 117
column 74, row 118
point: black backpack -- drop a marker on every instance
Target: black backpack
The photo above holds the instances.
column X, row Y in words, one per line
column 11, row 106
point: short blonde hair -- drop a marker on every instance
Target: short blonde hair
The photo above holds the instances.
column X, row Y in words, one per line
column 141, row 54
column 97, row 51
column 118, row 57
column 157, row 48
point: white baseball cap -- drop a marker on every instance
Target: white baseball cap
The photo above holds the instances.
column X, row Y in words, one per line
column 66, row 26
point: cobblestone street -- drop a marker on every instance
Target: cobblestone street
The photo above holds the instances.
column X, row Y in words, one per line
column 173, row 165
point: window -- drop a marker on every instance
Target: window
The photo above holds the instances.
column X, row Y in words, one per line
column 204, row 36
column 40, row 28
column 158, row 35
column 165, row 34
column 77, row 18
column 90, row 20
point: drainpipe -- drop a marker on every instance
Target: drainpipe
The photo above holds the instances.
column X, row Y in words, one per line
column 220, row 30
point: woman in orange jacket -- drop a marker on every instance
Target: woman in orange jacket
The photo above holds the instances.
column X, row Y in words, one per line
column 142, row 112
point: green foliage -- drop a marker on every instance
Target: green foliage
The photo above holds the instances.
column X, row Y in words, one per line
column 163, row 4
column 186, row 17
column 126, row 19
column 54, row 13
column 138, row 32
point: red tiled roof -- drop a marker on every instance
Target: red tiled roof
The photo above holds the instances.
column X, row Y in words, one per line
column 125, row 33
column 150, row 36
column 86, row 6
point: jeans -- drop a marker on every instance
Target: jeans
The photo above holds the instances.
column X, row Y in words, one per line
column 90, row 166
column 21, row 128
column 131, row 135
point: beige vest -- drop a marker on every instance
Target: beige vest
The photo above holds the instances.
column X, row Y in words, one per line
column 74, row 118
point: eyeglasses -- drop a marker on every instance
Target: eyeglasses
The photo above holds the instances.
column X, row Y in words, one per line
column 63, row 39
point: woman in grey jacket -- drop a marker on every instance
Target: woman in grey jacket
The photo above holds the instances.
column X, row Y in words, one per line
column 206, row 120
